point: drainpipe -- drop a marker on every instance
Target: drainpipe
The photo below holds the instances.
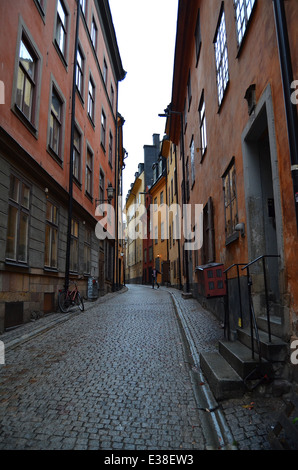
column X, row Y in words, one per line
column 287, row 80
column 70, row 200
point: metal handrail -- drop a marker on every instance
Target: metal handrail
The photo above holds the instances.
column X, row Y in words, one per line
column 253, row 322
column 227, row 320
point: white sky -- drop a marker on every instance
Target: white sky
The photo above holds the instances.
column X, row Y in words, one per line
column 146, row 34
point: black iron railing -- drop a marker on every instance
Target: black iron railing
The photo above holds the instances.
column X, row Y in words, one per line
column 227, row 304
column 253, row 320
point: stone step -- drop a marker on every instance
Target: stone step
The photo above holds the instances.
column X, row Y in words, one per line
column 274, row 351
column 240, row 358
column 276, row 326
column 223, row 380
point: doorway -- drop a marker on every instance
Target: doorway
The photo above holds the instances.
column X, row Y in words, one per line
column 262, row 199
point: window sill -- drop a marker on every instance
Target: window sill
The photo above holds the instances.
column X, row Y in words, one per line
column 232, row 238
column 55, row 156
column 19, row 113
column 48, row 269
column 16, row 264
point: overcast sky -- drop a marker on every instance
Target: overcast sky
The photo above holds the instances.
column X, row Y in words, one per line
column 146, row 33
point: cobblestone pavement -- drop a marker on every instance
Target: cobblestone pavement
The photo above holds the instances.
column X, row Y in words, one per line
column 113, row 377
column 118, row 376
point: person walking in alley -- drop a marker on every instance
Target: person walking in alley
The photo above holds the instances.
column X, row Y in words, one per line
column 154, row 277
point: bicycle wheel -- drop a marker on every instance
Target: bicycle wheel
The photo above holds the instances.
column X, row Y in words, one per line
column 63, row 301
column 79, row 302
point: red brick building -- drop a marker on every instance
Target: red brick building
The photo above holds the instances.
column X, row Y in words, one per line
column 60, row 111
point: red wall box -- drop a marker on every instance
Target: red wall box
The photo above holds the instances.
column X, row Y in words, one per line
column 211, row 281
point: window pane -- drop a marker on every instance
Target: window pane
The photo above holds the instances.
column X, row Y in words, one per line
column 26, row 60
column 23, row 237
column 20, row 88
column 11, row 246
column 14, row 188
column 56, row 105
column 54, row 248
column 25, row 196
column 47, row 246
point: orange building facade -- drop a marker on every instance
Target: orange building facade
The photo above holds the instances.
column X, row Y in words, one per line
column 60, row 70
column 234, row 155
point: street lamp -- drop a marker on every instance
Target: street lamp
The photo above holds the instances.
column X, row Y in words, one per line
column 167, row 114
column 110, row 195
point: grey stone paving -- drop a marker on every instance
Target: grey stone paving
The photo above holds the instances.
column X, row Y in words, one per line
column 114, row 377
column 117, row 377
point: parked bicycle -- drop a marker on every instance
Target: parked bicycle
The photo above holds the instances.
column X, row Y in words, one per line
column 68, row 298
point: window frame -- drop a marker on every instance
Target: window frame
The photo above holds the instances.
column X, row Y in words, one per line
column 24, row 36
column 111, row 142
column 20, row 209
column 74, row 247
column 89, row 173
column 93, row 33
column 198, row 37
column 103, row 128
column 54, row 228
column 91, row 100
column 63, row 54
column 246, row 19
column 221, row 57
column 87, row 251
column 57, row 156
column 77, row 156
column 230, row 173
column 203, row 126
column 80, row 72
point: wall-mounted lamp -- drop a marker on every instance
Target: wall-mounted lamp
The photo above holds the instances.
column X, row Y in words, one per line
column 110, row 195
column 240, row 228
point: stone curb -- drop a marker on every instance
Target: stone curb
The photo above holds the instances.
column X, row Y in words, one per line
column 204, row 397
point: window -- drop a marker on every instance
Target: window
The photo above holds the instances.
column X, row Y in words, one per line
column 221, row 58
column 192, row 160
column 230, row 201
column 89, row 172
column 101, row 186
column 208, row 248
column 105, row 71
column 162, row 231
column 203, row 130
column 111, row 150
column 112, row 96
column 198, row 39
column 243, row 10
column 93, row 33
column 91, row 100
column 189, row 90
column 80, row 72
column 161, row 198
column 74, row 246
column 77, row 155
column 87, row 251
column 61, row 28
column 56, row 123
column 83, row 4
column 26, row 81
column 51, row 236
column 18, row 221
column 103, row 130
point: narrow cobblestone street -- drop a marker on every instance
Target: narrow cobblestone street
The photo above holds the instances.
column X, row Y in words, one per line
column 120, row 376
column 114, row 377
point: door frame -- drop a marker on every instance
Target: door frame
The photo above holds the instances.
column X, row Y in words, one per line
column 263, row 115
